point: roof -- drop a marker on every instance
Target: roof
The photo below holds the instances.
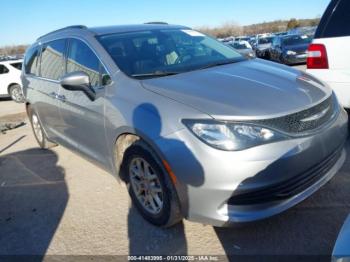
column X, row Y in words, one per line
column 132, row 28
column 115, row 29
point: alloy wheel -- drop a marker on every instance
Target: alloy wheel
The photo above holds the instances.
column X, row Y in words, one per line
column 146, row 185
column 16, row 94
column 37, row 128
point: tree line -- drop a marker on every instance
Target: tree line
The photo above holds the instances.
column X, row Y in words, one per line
column 234, row 29
column 12, row 50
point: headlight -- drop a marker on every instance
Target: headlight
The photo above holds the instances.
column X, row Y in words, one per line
column 232, row 136
column 290, row 52
column 251, row 54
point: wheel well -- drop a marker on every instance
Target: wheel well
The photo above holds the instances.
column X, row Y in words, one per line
column 28, row 108
column 123, row 142
column 10, row 85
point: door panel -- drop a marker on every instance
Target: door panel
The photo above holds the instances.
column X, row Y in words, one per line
column 82, row 120
column 51, row 69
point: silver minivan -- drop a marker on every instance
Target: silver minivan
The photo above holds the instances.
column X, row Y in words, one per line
column 194, row 129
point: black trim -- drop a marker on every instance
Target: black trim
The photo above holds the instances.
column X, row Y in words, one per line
column 288, row 188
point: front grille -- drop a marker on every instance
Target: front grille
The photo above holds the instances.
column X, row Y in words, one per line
column 302, row 121
column 287, row 188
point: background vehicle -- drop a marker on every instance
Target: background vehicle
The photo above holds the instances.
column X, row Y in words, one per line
column 10, row 80
column 263, row 45
column 305, row 30
column 243, row 47
column 290, row 49
column 328, row 55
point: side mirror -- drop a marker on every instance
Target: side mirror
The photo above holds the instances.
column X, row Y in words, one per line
column 78, row 81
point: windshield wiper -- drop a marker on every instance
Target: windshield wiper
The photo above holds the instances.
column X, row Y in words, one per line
column 219, row 64
column 155, row 74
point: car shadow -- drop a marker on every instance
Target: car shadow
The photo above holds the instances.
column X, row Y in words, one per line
column 306, row 232
column 145, row 238
column 5, row 99
column 33, row 197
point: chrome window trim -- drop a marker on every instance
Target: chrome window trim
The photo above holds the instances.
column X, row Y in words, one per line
column 41, row 43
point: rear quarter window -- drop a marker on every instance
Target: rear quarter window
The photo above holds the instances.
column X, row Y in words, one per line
column 335, row 21
column 17, row 65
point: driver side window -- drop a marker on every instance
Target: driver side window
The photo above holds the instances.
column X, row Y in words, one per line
column 82, row 58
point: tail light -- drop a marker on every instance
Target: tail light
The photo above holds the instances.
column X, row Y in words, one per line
column 317, row 57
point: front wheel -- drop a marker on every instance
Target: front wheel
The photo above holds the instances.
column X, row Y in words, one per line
column 150, row 188
column 16, row 94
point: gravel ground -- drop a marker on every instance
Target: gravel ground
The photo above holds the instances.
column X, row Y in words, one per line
column 53, row 202
column 8, row 107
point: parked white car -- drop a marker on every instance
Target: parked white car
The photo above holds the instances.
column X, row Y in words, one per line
column 329, row 54
column 10, row 80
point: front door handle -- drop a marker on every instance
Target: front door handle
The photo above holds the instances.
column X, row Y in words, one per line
column 53, row 94
column 61, row 97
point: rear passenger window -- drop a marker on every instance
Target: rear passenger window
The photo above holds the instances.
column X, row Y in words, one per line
column 82, row 58
column 52, row 59
column 3, row 69
column 31, row 61
column 338, row 24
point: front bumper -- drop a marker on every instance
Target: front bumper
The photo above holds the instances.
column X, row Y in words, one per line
column 208, row 178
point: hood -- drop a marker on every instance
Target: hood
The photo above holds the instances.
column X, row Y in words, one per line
column 301, row 48
column 252, row 89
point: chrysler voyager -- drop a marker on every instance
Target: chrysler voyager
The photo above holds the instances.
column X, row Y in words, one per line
column 193, row 128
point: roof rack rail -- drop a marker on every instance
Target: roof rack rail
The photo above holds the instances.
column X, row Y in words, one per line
column 64, row 28
column 156, row 23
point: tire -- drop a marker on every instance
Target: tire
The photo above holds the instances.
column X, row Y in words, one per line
column 39, row 132
column 168, row 213
column 282, row 60
column 16, row 94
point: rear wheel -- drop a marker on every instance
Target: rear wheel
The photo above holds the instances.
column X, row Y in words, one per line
column 15, row 92
column 38, row 131
column 150, row 188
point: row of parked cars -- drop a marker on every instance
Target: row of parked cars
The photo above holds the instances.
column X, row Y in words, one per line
column 284, row 47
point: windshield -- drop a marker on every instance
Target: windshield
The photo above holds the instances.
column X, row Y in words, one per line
column 265, row 40
column 296, row 40
column 239, row 45
column 154, row 53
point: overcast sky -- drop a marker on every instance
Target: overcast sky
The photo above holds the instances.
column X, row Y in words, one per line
column 25, row 20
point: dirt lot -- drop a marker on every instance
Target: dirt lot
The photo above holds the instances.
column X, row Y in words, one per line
column 53, row 202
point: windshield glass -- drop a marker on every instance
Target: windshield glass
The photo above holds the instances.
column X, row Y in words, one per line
column 296, row 40
column 265, row 40
column 239, row 45
column 163, row 52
